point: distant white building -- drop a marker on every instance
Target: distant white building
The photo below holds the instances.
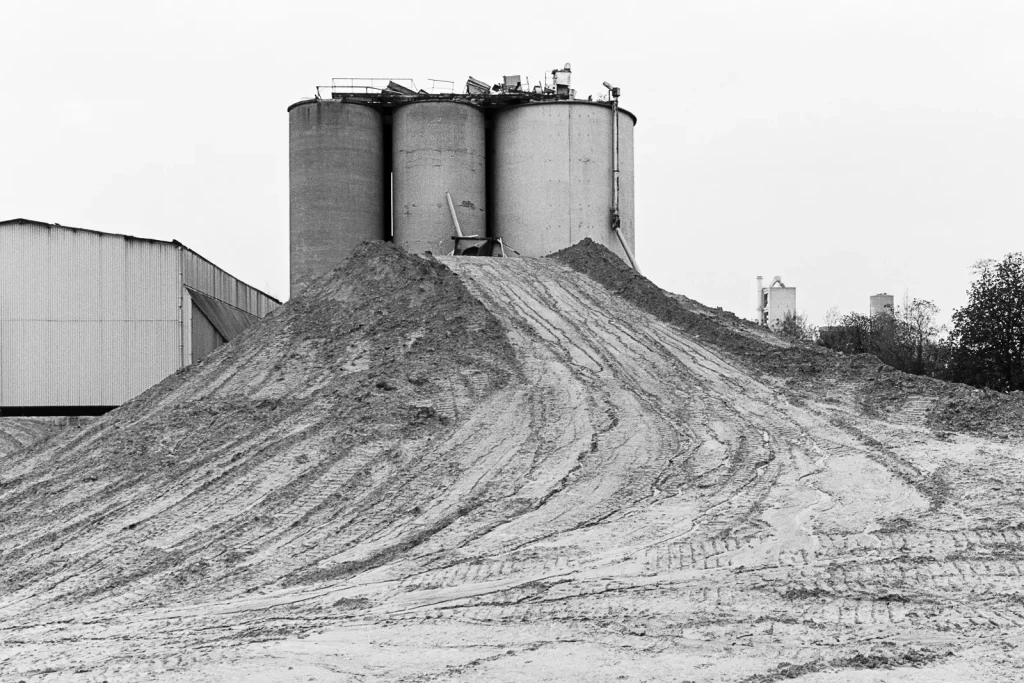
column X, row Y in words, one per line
column 775, row 302
column 89, row 320
column 881, row 303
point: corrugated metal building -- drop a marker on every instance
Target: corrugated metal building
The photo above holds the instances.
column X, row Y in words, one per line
column 91, row 319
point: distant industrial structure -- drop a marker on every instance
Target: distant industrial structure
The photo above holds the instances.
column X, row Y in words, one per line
column 535, row 168
column 89, row 320
column 774, row 302
column 881, row 304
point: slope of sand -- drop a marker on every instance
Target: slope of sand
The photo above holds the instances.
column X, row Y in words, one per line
column 17, row 433
column 487, row 469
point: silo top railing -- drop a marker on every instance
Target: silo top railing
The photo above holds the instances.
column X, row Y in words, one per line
column 363, row 86
column 377, row 86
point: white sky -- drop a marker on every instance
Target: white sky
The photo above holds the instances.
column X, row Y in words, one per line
column 850, row 147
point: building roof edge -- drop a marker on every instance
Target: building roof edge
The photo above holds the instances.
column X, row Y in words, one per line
column 44, row 224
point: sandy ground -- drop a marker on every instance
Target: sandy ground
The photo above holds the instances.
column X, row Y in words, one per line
column 17, row 433
column 621, row 502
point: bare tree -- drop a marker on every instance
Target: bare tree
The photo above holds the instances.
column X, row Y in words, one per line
column 833, row 316
column 796, row 326
column 920, row 326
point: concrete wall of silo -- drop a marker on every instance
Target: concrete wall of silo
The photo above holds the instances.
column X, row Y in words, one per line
column 437, row 147
column 881, row 303
column 337, row 195
column 552, row 172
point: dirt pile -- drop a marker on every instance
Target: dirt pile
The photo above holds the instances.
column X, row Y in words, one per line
column 743, row 339
column 197, row 484
column 501, row 470
column 810, row 369
column 19, row 432
column 966, row 409
column 725, row 331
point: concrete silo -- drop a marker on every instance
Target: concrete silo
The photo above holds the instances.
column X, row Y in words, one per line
column 552, row 169
column 880, row 304
column 437, row 147
column 337, row 184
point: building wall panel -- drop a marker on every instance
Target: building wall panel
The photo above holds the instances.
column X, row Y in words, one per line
column 85, row 318
column 781, row 302
column 94, row 319
column 200, row 274
column 154, row 352
column 50, row 363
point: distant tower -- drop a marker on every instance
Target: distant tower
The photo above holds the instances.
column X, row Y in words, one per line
column 881, row 303
column 760, row 300
column 777, row 300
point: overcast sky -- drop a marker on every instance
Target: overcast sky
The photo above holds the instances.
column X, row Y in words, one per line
column 850, row 147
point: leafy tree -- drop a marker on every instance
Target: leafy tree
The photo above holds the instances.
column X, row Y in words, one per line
column 849, row 333
column 987, row 341
column 906, row 339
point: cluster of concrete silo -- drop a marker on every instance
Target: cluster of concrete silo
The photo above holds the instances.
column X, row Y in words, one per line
column 535, row 170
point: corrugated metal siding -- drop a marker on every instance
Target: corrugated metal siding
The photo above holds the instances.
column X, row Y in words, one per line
column 85, row 318
column 201, row 275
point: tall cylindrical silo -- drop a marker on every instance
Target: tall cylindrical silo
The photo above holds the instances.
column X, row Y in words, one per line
column 336, row 183
column 553, row 183
column 437, row 147
column 881, row 303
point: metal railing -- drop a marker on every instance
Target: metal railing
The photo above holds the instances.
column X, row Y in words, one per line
column 441, row 87
column 375, row 86
column 362, row 86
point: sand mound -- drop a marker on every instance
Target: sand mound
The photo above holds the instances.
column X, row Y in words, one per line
column 499, row 469
column 726, row 332
column 863, row 381
column 17, row 433
column 285, row 432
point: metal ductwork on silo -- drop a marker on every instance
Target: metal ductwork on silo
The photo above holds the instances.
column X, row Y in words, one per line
column 336, row 180
column 437, row 147
column 553, row 169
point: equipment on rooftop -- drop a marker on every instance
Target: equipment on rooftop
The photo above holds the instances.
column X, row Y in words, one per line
column 373, row 158
column 477, row 87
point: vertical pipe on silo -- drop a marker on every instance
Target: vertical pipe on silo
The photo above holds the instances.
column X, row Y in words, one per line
column 552, row 163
